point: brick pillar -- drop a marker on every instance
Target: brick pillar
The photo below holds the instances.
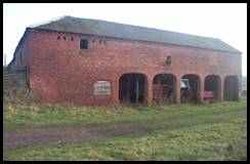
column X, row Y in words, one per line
column 115, row 91
column 202, row 87
column 178, row 89
column 221, row 94
column 149, row 97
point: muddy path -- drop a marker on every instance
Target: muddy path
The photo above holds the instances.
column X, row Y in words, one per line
column 73, row 134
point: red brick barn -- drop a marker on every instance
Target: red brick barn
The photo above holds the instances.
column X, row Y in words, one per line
column 95, row 62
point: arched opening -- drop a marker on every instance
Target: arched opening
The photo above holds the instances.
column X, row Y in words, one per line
column 190, row 88
column 231, row 88
column 164, row 87
column 132, row 88
column 212, row 85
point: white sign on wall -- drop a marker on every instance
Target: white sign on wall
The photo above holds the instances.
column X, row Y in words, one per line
column 102, row 88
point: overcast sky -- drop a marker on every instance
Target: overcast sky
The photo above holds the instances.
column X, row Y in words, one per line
column 227, row 22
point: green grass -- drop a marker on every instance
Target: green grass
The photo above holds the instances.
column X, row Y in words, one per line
column 178, row 132
column 21, row 116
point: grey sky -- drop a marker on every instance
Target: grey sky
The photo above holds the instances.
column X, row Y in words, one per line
column 227, row 22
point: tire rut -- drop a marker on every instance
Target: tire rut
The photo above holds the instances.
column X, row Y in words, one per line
column 60, row 135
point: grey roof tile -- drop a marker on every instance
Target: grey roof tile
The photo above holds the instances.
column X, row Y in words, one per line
column 110, row 29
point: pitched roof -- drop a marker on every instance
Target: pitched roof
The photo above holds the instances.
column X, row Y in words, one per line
column 110, row 29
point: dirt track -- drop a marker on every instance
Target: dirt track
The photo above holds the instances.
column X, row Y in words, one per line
column 73, row 134
column 60, row 135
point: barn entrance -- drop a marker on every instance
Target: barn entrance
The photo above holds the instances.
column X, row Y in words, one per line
column 190, row 88
column 164, row 86
column 132, row 88
column 212, row 84
column 231, row 88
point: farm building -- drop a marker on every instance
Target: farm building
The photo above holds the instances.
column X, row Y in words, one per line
column 96, row 62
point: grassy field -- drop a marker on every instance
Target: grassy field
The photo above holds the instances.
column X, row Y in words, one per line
column 176, row 132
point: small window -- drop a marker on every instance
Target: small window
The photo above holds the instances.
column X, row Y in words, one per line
column 72, row 38
column 58, row 38
column 64, row 37
column 84, row 44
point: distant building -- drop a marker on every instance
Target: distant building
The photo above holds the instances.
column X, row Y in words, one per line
column 92, row 62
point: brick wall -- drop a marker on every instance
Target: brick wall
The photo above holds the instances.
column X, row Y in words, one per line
column 61, row 72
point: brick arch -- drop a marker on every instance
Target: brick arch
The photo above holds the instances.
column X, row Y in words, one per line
column 133, row 87
column 212, row 83
column 192, row 92
column 231, row 88
column 164, row 88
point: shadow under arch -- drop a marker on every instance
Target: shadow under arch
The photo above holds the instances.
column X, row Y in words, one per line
column 132, row 88
column 164, row 88
column 190, row 88
column 231, row 88
column 213, row 83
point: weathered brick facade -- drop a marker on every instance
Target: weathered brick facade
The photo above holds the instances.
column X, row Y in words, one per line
column 59, row 71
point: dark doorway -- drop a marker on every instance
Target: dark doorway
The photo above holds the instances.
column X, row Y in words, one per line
column 132, row 88
column 190, row 88
column 212, row 83
column 231, row 88
column 164, row 87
